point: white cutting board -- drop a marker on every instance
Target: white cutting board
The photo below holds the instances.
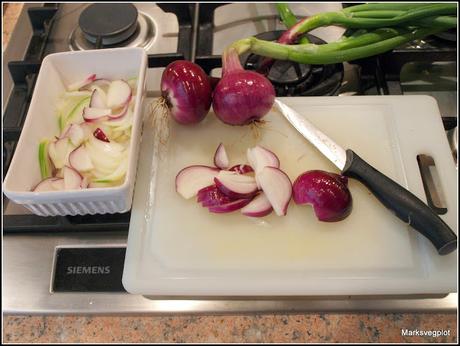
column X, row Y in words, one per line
column 176, row 247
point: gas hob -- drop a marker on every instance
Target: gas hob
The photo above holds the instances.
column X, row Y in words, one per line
column 39, row 251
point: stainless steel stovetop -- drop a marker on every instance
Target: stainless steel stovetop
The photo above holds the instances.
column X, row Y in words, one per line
column 29, row 258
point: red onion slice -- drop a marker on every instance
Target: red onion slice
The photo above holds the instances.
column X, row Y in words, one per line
column 72, row 179
column 119, row 93
column 80, row 160
column 211, row 196
column 94, row 114
column 235, row 185
column 221, row 158
column 241, row 169
column 260, row 206
column 192, row 179
column 229, row 207
column 80, row 84
column 277, row 187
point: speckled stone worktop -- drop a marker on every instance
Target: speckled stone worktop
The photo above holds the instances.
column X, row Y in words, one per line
column 213, row 329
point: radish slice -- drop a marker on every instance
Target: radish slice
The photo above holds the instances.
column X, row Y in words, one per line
column 241, row 169
column 97, row 99
column 76, row 134
column 235, row 185
column 260, row 157
column 221, row 158
column 93, row 114
column 99, row 134
column 259, row 206
column 72, row 179
column 229, row 207
column 118, row 94
column 80, row 160
column 211, row 195
column 121, row 113
column 277, row 187
column 192, row 179
column 58, row 184
column 45, row 185
column 80, row 84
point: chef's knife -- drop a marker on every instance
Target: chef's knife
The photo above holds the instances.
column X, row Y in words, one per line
column 403, row 203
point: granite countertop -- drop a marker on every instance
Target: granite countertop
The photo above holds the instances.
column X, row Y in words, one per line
column 279, row 328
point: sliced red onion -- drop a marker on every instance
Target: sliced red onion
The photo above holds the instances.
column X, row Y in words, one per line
column 277, row 187
column 241, row 169
column 260, row 206
column 72, row 179
column 58, row 184
column 119, row 94
column 59, row 151
column 123, row 111
column 221, row 158
column 260, row 157
column 229, row 207
column 45, row 185
column 94, row 114
column 326, row 192
column 76, row 134
column 99, row 134
column 235, row 185
column 192, row 179
column 211, row 196
column 80, row 84
column 97, row 99
column 186, row 91
column 80, row 160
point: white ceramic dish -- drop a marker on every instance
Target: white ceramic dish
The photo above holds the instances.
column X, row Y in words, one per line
column 58, row 70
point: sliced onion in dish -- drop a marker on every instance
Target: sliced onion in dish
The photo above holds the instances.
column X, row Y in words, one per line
column 93, row 114
column 235, row 185
column 76, row 134
column 260, row 206
column 192, row 179
column 120, row 114
column 229, row 207
column 221, row 158
column 80, row 160
column 72, row 179
column 119, row 93
column 98, row 98
column 59, row 151
column 58, row 184
column 80, row 84
column 45, row 185
column 277, row 187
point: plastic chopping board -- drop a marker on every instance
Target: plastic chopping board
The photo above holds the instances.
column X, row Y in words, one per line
column 177, row 248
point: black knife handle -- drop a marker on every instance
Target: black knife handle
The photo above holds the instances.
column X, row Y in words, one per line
column 406, row 205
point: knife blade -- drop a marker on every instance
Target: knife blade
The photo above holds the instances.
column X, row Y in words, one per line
column 405, row 205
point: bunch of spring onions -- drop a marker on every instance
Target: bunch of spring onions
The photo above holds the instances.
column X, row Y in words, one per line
column 375, row 28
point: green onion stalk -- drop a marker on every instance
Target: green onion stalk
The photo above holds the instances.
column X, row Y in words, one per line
column 381, row 27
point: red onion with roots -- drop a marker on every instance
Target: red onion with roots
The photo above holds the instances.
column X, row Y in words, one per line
column 186, row 91
column 241, row 97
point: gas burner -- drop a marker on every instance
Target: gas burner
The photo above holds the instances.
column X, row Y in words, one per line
column 106, row 25
column 293, row 79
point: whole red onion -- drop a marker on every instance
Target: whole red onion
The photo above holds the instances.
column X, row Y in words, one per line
column 187, row 92
column 241, row 96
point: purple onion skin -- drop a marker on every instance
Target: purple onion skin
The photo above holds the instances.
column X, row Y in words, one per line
column 242, row 97
column 327, row 192
column 187, row 91
column 212, row 196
